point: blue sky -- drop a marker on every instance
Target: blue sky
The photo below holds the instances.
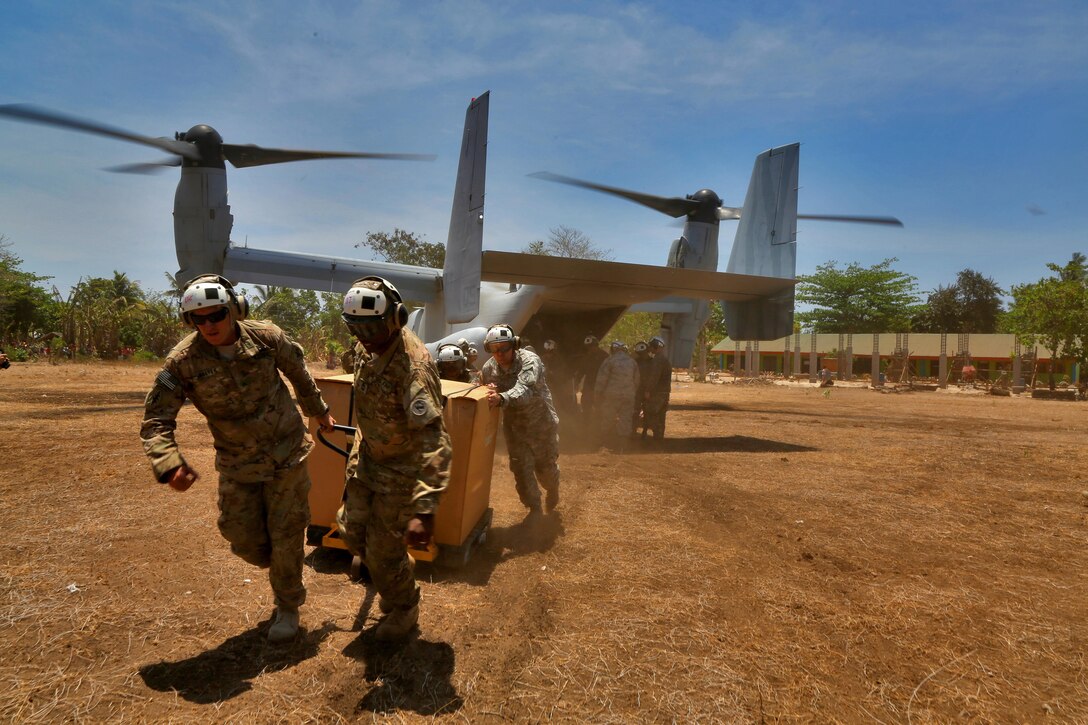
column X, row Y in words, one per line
column 966, row 120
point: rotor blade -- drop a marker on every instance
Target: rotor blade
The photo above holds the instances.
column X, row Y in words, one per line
column 887, row 220
column 242, row 156
column 728, row 212
column 151, row 167
column 33, row 114
column 673, row 206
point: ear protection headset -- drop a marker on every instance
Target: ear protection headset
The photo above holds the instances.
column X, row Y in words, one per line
column 212, row 290
column 501, row 333
column 362, row 301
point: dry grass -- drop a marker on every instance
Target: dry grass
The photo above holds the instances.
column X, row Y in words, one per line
column 789, row 555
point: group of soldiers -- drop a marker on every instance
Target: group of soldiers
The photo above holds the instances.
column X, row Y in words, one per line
column 631, row 392
column 229, row 368
column 624, row 392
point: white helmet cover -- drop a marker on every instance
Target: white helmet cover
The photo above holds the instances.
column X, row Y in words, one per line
column 203, row 295
column 549, row 345
column 365, row 302
column 498, row 333
column 450, row 354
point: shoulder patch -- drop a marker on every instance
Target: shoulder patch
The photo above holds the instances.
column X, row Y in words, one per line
column 421, row 412
column 168, row 381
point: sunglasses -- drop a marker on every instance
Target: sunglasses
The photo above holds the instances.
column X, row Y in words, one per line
column 217, row 316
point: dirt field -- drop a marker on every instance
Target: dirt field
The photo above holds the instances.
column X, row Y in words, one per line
column 790, row 554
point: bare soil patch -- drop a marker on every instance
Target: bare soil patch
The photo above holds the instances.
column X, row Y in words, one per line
column 788, row 554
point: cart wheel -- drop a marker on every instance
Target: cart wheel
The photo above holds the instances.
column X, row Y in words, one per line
column 314, row 534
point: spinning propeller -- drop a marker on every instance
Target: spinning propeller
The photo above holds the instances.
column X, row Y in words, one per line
column 702, row 206
column 200, row 146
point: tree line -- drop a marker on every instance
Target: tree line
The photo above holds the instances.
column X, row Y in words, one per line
column 107, row 317
column 1052, row 311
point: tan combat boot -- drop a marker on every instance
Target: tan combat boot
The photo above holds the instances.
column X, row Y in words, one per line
column 397, row 625
column 284, row 625
column 551, row 500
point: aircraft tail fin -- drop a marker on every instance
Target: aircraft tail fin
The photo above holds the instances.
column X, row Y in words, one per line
column 765, row 245
column 461, row 274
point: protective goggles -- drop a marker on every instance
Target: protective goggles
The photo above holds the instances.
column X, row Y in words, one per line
column 213, row 317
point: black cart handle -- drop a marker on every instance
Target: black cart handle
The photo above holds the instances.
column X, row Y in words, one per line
column 343, row 429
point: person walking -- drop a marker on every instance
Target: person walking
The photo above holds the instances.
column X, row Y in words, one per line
column 229, row 367
column 517, row 384
column 400, row 461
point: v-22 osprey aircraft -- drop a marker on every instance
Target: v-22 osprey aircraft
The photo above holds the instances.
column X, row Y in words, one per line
column 541, row 297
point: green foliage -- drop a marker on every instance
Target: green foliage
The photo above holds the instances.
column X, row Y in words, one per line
column 857, row 299
column 142, row 355
column 26, row 309
column 102, row 315
column 940, row 313
column 1053, row 312
column 18, row 354
column 566, row 241
column 972, row 304
column 404, row 247
column 634, row 327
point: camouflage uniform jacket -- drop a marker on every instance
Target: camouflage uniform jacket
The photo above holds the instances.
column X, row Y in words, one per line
column 617, row 378
column 526, row 400
column 658, row 374
column 255, row 425
column 400, row 438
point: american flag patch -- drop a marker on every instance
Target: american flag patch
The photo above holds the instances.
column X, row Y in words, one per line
column 167, row 380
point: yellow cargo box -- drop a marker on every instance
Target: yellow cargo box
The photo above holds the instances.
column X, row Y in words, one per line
column 463, row 516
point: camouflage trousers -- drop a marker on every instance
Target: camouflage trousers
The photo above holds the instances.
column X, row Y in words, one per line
column 615, row 415
column 534, row 457
column 372, row 525
column 265, row 524
column 654, row 409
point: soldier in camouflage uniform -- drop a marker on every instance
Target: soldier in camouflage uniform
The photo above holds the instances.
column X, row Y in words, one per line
column 642, row 357
column 560, row 379
column 230, row 369
column 588, row 366
column 656, row 389
column 399, row 463
column 452, row 365
column 516, row 379
column 615, row 390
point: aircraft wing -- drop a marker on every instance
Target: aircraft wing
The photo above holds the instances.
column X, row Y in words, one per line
column 326, row 274
column 597, row 283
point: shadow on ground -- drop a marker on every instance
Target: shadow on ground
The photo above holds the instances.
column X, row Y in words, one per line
column 228, row 670
column 716, row 444
column 410, row 676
